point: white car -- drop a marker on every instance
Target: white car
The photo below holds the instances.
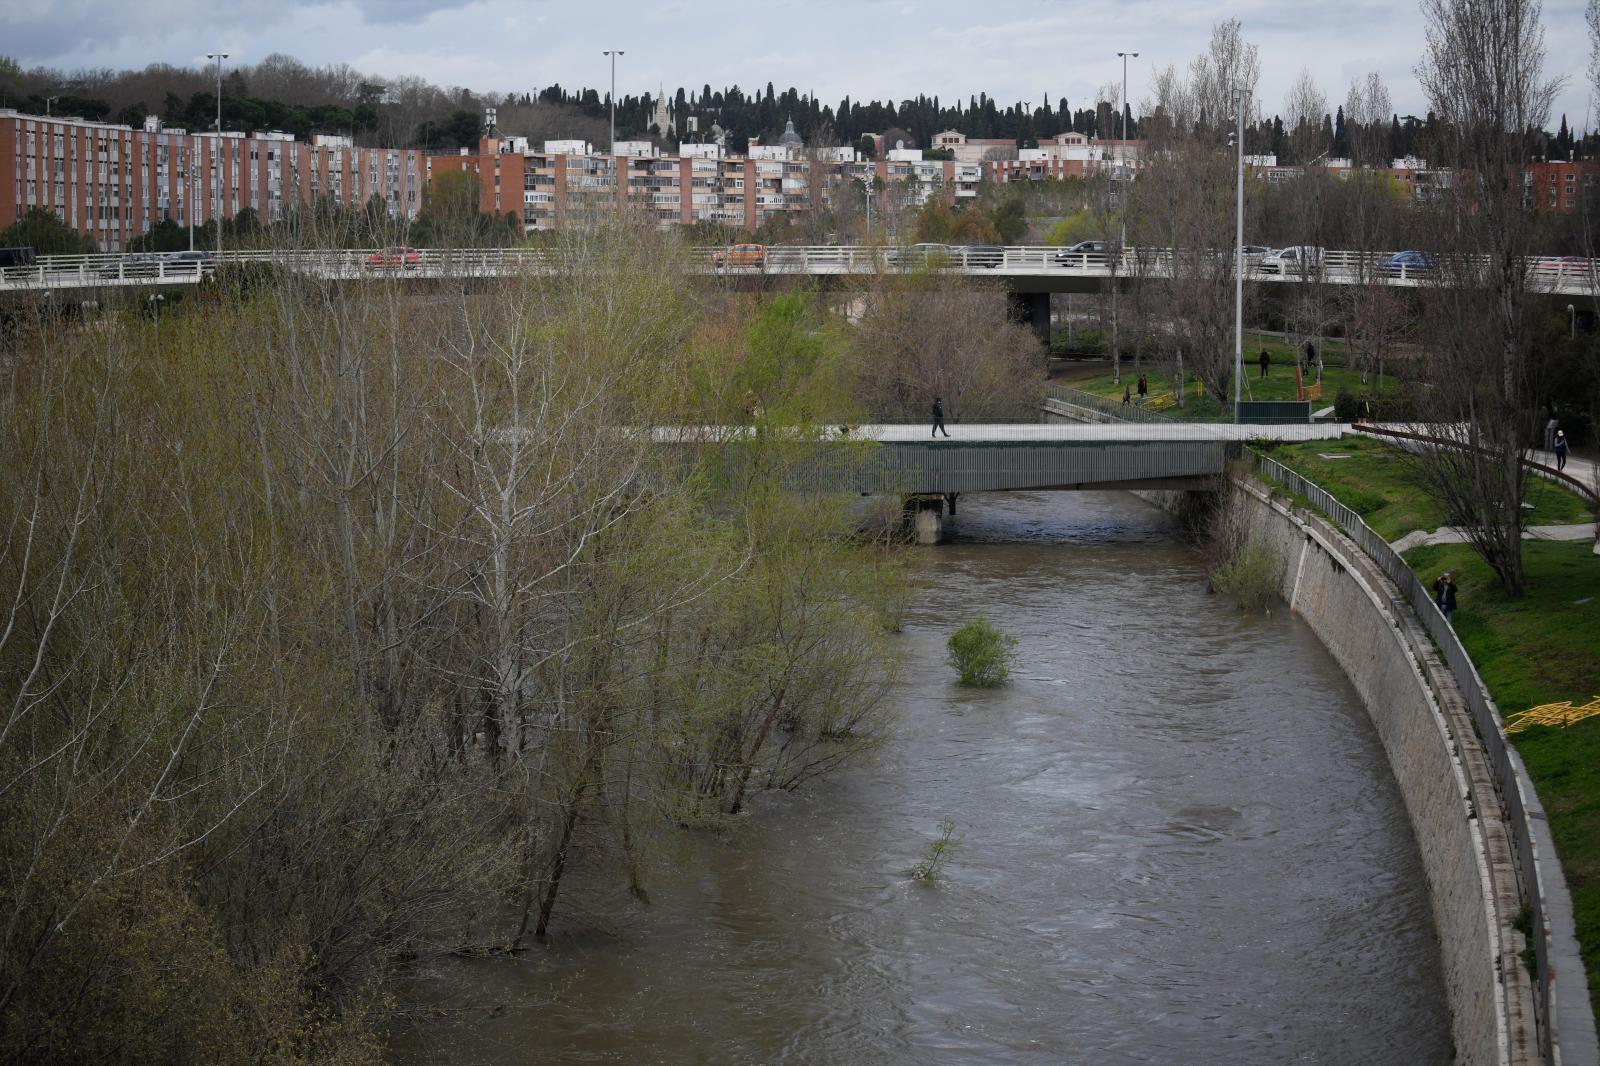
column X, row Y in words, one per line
column 1299, row 260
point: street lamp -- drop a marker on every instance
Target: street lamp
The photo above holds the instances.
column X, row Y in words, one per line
column 219, row 57
column 613, row 53
column 47, row 102
column 1238, row 263
column 1572, row 321
column 1122, row 218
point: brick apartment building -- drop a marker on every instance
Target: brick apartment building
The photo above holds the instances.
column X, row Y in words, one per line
column 701, row 183
column 114, row 183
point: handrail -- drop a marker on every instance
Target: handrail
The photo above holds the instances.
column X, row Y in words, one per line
column 1511, row 777
column 1559, row 275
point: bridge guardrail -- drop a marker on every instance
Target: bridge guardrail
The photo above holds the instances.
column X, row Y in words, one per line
column 1511, row 777
column 1572, row 275
column 1102, row 405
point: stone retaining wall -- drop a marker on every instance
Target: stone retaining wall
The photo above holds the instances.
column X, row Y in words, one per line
column 1367, row 627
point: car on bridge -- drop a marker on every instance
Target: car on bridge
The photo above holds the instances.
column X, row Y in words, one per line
column 987, row 256
column 1297, row 260
column 191, row 262
column 1409, row 264
column 1083, row 254
column 739, row 255
column 397, row 258
column 138, row 265
column 921, row 255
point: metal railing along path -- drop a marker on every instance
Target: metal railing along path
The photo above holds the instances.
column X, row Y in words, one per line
column 1552, row 275
column 1524, row 813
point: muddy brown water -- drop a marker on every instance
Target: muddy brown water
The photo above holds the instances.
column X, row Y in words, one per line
column 1179, row 843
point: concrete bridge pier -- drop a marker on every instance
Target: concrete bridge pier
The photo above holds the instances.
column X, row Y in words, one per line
column 925, row 515
column 1032, row 309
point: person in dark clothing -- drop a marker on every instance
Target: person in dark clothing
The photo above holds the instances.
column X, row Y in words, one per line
column 1127, row 397
column 1266, row 361
column 938, row 417
column 1444, row 594
column 1311, row 356
column 1144, row 389
column 1561, row 449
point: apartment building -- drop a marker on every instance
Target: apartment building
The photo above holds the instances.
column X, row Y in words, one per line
column 114, row 183
column 702, row 183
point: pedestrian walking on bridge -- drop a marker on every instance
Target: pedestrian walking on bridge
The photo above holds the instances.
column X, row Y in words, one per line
column 938, row 417
column 1444, row 594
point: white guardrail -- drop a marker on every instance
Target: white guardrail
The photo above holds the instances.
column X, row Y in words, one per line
column 1566, row 275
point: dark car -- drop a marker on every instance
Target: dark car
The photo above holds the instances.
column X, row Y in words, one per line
column 1082, row 253
column 987, row 256
column 1408, row 264
column 17, row 257
column 137, row 265
column 191, row 262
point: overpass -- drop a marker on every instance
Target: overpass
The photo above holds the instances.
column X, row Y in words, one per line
column 1028, row 270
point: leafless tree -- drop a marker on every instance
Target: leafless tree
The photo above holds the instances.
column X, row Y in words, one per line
column 1483, row 72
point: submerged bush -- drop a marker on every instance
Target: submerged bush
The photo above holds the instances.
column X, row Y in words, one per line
column 1250, row 575
column 981, row 654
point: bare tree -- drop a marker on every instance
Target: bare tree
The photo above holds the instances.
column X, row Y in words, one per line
column 1483, row 73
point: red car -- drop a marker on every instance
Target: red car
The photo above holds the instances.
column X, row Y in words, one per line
column 394, row 259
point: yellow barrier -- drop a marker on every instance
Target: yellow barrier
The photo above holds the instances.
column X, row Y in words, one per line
column 1562, row 714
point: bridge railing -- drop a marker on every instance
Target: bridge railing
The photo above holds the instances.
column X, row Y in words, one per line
column 1104, row 405
column 1511, row 777
column 1545, row 274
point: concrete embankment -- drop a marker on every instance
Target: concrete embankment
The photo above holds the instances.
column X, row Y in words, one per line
column 1442, row 772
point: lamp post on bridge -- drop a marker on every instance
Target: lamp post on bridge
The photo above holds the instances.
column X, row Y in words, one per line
column 1115, row 258
column 1238, row 252
column 219, row 57
column 613, row 53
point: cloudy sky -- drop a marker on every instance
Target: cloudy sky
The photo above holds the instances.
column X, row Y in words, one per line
column 1011, row 49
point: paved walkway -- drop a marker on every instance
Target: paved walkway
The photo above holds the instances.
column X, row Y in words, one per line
column 1454, row 535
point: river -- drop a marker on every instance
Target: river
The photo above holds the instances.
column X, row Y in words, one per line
column 1179, row 843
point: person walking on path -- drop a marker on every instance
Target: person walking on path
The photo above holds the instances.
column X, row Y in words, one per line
column 938, row 417
column 1127, row 396
column 1444, row 594
column 1266, row 361
column 1561, row 449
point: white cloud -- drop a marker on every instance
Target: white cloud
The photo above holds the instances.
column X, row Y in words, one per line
column 954, row 49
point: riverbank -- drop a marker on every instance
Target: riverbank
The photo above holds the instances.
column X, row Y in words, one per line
column 1535, row 650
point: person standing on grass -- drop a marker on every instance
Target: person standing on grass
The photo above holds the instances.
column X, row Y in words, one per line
column 1144, row 390
column 1561, row 449
column 1127, row 396
column 1444, row 594
column 1266, row 361
column 938, row 417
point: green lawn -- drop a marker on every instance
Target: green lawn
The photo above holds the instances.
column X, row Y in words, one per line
column 1278, row 385
column 1543, row 648
column 1378, row 482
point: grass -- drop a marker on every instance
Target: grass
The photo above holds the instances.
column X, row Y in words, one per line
column 1542, row 648
column 1378, row 482
column 1278, row 385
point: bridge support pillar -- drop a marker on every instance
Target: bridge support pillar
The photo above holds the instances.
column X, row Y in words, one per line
column 925, row 515
column 1032, row 309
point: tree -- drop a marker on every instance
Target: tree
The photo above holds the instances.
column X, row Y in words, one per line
column 44, row 231
column 1483, row 73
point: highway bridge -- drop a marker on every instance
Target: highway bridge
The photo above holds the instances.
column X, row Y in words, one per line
column 1027, row 270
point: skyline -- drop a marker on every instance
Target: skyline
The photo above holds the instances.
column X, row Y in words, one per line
column 881, row 49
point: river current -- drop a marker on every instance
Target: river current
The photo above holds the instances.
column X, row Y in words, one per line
column 1179, row 842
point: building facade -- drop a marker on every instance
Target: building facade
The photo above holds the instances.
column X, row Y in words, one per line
column 114, row 183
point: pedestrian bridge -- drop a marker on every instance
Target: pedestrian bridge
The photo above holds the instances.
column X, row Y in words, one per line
column 906, row 460
column 1027, row 270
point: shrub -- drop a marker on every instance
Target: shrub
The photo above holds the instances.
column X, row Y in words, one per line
column 939, row 848
column 1250, row 576
column 981, row 654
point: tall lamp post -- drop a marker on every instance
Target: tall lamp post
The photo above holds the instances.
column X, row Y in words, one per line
column 1238, row 261
column 219, row 57
column 1122, row 217
column 613, row 53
